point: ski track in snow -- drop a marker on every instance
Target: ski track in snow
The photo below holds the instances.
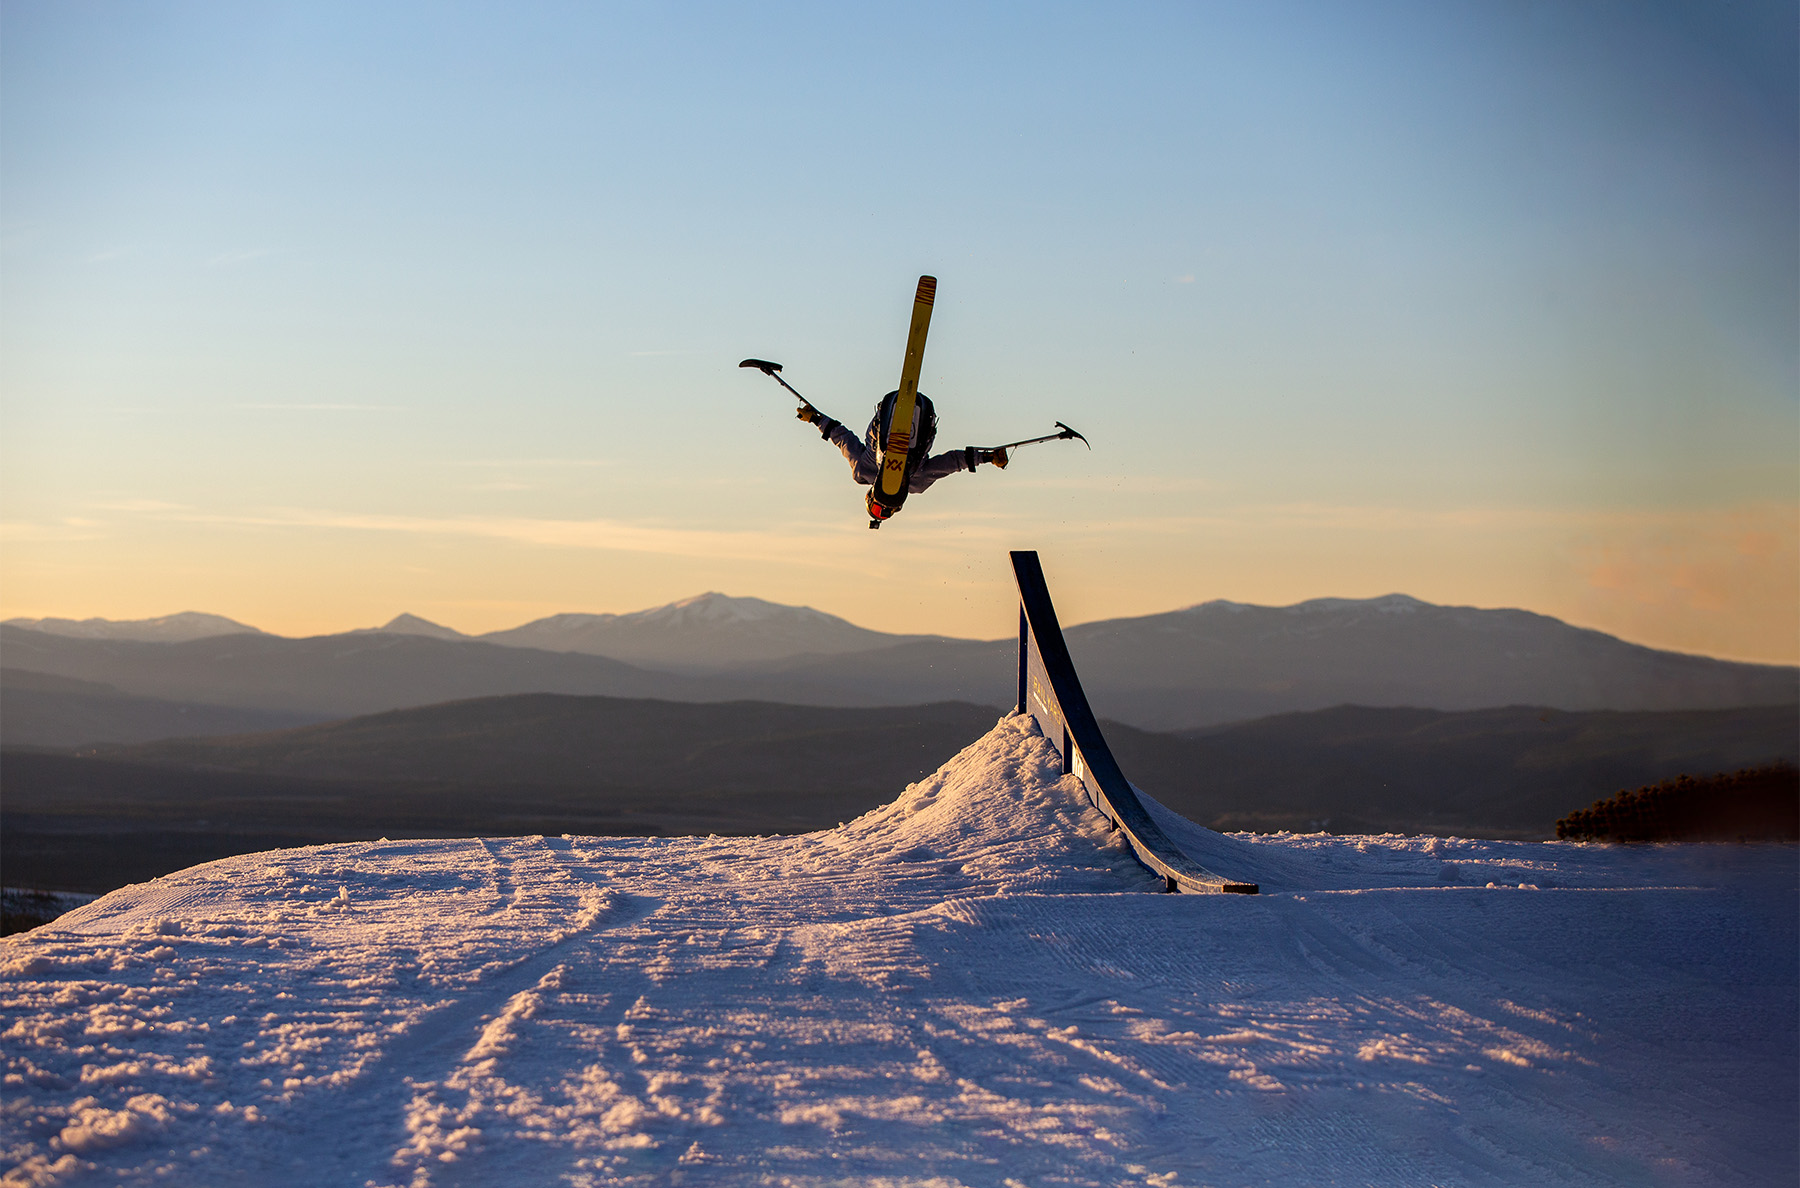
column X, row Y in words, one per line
column 972, row 985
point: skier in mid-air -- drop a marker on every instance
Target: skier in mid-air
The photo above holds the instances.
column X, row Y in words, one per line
column 894, row 459
column 921, row 467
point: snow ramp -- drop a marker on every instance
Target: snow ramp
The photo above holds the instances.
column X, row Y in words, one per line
column 1050, row 691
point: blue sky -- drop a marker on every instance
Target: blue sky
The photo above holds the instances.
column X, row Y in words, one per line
column 318, row 312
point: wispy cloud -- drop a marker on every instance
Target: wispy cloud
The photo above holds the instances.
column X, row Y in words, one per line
column 229, row 259
column 794, row 546
column 1704, row 561
column 323, row 407
column 135, row 505
column 19, row 531
column 510, row 463
column 1124, row 484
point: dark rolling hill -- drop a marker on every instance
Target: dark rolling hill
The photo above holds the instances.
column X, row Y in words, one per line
column 899, row 674
column 540, row 763
column 546, row 740
column 40, row 710
column 1507, row 772
column 545, row 763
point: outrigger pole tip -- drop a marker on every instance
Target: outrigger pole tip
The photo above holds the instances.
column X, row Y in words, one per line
column 771, row 370
column 1068, row 432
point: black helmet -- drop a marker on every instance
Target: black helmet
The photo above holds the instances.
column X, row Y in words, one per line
column 924, row 424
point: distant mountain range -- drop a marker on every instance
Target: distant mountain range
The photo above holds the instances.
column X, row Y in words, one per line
column 703, row 633
column 707, row 633
column 168, row 629
column 1213, row 663
column 1228, row 661
column 330, row 676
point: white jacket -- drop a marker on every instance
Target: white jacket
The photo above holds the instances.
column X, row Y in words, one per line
column 865, row 464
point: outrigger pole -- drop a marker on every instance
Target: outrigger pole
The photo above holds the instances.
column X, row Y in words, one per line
column 1065, row 435
column 769, row 369
column 772, row 370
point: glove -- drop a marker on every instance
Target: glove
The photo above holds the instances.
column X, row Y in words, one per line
column 997, row 457
column 807, row 412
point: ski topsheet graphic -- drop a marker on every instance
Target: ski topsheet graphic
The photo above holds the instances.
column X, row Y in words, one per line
column 889, row 491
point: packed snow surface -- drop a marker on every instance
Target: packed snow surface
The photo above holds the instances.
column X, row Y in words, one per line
column 972, row 985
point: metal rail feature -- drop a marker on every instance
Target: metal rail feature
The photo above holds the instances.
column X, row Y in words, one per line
column 1050, row 691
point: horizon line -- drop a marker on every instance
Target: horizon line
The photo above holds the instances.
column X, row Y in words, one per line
column 26, row 622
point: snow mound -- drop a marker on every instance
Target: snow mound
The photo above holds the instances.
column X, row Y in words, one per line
column 1002, row 817
column 972, row 985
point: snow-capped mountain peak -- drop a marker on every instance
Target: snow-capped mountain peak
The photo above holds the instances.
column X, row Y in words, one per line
column 1385, row 604
column 713, row 607
column 177, row 628
column 710, row 630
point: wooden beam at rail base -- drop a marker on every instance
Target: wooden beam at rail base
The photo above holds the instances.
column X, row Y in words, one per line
column 1050, row 691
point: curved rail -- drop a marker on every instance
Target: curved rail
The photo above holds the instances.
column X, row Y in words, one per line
column 1051, row 692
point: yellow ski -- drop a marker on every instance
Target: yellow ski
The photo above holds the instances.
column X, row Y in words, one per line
column 890, row 491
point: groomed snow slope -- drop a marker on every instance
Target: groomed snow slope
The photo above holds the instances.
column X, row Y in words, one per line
column 972, row 985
